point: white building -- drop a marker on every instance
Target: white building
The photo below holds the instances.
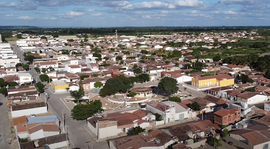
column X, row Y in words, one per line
column 250, row 98
column 25, row 77
column 28, row 109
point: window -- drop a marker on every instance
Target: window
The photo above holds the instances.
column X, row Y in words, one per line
column 265, row 146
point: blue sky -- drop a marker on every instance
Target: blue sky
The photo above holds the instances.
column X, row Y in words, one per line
column 118, row 13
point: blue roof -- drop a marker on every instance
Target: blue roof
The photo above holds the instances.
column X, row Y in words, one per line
column 42, row 119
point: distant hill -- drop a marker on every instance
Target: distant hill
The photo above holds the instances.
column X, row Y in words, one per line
column 19, row 27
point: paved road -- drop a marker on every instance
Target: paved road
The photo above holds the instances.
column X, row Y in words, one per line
column 4, row 124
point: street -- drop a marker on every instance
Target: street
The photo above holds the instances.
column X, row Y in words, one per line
column 4, row 124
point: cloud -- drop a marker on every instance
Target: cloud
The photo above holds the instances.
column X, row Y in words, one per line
column 147, row 5
column 8, row 4
column 189, row 3
column 72, row 14
column 49, row 18
column 97, row 14
column 231, row 12
column 9, row 15
column 26, row 18
column 90, row 10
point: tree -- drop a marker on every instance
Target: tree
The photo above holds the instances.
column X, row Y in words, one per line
column 225, row 132
column 137, row 71
column 119, row 84
column 118, row 58
column 43, row 70
column 25, row 67
column 136, row 130
column 98, row 84
column 82, row 77
column 214, row 142
column 29, row 58
column 37, row 69
column 83, row 111
column 158, row 117
column 195, row 106
column 77, row 95
column 131, row 94
column 175, row 99
column 50, row 68
column 43, row 37
column 44, row 78
column 216, row 58
column 3, row 91
column 267, row 74
column 144, row 77
column 168, row 85
column 40, row 87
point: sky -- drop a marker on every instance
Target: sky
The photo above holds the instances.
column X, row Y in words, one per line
column 122, row 13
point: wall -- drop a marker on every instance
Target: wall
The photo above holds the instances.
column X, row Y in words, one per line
column 218, row 120
column 262, row 146
column 257, row 99
column 108, row 132
column 206, row 83
column 58, row 145
column 197, row 144
column 23, row 134
column 38, row 110
column 226, row 82
column 92, row 128
column 267, row 107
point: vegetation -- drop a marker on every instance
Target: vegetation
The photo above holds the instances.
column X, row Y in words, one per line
column 214, row 142
column 252, row 89
column 82, row 77
column 168, row 85
column 37, row 69
column 225, row 133
column 40, row 87
column 131, row 94
column 77, row 95
column 195, row 106
column 158, row 117
column 98, row 84
column 3, row 91
column 175, row 99
column 25, row 66
column 119, row 84
column 244, row 78
column 44, row 78
column 83, row 111
column 136, row 130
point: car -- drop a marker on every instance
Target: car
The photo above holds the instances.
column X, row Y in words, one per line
column 1, row 103
column 32, row 115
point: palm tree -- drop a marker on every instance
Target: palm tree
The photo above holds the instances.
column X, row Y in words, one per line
column 77, row 94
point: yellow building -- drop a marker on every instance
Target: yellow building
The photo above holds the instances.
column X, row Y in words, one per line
column 211, row 81
column 59, row 86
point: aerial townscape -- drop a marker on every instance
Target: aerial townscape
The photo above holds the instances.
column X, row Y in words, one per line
column 174, row 88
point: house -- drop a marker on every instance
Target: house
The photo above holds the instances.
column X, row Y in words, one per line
column 28, row 109
column 267, row 106
column 210, row 103
column 213, row 81
column 73, row 68
column 23, row 93
column 170, row 111
column 226, row 117
column 251, row 139
column 25, row 77
column 178, row 76
column 47, row 64
column 249, row 98
column 112, row 124
column 59, row 86
column 156, row 139
column 52, row 142
column 43, row 130
column 142, row 92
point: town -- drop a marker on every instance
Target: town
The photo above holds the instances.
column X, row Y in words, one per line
column 175, row 91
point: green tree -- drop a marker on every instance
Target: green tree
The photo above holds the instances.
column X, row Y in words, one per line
column 37, row 69
column 136, row 130
column 12, row 83
column 98, row 84
column 43, row 37
column 119, row 84
column 158, row 117
column 131, row 94
column 118, row 58
column 144, row 77
column 25, row 67
column 83, row 111
column 214, row 142
column 43, row 70
column 29, row 58
column 50, row 69
column 44, row 78
column 77, row 95
column 3, row 83
column 168, row 85
column 40, row 87
column 3, row 91
column 175, row 99
column 137, row 71
column 82, row 77
column 195, row 106
column 225, row 132
column 216, row 58
column 267, row 74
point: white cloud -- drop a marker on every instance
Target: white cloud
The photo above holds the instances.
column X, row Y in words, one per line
column 26, row 18
column 146, row 17
column 90, row 10
column 9, row 15
column 97, row 14
column 74, row 13
column 188, row 3
column 231, row 12
column 147, row 5
column 52, row 18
